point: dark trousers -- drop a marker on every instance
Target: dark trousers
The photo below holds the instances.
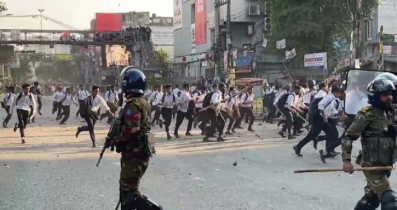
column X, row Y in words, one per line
column 298, row 121
column 113, row 109
column 166, row 113
column 57, row 107
column 333, row 139
column 272, row 113
column 81, row 104
column 179, row 119
column 157, row 112
column 249, row 114
column 8, row 117
column 216, row 122
column 288, row 120
column 89, row 127
column 22, row 121
column 318, row 126
column 65, row 113
column 40, row 104
column 31, row 114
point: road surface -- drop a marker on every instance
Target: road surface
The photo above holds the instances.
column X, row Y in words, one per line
column 56, row 170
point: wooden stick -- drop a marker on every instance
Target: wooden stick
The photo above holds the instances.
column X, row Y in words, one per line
column 382, row 168
column 212, row 105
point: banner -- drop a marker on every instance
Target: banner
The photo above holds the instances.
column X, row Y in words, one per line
column 211, row 20
column 108, row 22
column 162, row 35
column 316, row 60
column 177, row 14
column 201, row 21
column 193, row 37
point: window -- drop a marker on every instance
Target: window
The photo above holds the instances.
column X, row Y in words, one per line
column 193, row 14
column 368, row 29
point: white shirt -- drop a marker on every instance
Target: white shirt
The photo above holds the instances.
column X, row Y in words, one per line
column 168, row 100
column 35, row 96
column 290, row 100
column 320, row 94
column 247, row 98
column 82, row 94
column 308, row 96
column 155, row 98
column 330, row 106
column 8, row 99
column 111, row 96
column 68, row 100
column 99, row 102
column 58, row 96
column 24, row 102
column 175, row 91
column 231, row 101
column 184, row 100
column 198, row 98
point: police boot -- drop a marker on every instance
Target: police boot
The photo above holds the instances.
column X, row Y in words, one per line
column 147, row 204
column 129, row 200
column 368, row 202
column 388, row 200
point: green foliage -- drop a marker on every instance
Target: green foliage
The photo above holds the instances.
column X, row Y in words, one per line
column 313, row 25
column 63, row 71
column 163, row 59
column 22, row 73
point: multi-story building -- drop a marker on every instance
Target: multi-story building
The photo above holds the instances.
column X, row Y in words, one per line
column 195, row 53
column 162, row 34
column 385, row 15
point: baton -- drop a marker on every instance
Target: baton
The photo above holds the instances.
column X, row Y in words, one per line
column 212, row 105
column 381, row 168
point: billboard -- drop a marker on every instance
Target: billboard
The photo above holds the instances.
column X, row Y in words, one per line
column 316, row 60
column 108, row 22
column 177, row 14
column 193, row 37
column 201, row 21
column 162, row 35
column 117, row 55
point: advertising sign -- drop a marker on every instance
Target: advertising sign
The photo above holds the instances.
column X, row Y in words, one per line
column 211, row 20
column 387, row 50
column 316, row 60
column 193, row 36
column 242, row 62
column 108, row 22
column 162, row 35
column 177, row 14
column 201, row 21
column 117, row 55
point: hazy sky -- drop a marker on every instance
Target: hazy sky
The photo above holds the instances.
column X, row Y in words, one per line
column 76, row 13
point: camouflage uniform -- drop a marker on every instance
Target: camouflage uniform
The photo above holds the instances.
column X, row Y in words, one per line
column 134, row 162
column 378, row 148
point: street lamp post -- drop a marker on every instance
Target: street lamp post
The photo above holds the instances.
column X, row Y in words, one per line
column 41, row 16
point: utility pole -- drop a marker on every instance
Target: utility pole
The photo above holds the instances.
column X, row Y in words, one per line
column 381, row 62
column 219, row 3
column 41, row 22
column 357, row 23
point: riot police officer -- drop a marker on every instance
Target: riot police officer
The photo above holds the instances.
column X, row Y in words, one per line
column 135, row 143
column 378, row 137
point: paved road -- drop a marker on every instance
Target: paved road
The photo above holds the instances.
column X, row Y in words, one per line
column 54, row 170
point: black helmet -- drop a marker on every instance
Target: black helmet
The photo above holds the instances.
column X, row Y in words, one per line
column 134, row 81
column 378, row 86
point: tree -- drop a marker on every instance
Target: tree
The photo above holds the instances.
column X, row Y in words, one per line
column 23, row 72
column 312, row 26
column 162, row 61
column 3, row 7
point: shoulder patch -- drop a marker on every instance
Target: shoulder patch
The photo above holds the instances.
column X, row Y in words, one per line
column 365, row 109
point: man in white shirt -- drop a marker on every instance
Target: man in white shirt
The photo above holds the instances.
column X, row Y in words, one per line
column 184, row 111
column 198, row 98
column 232, row 104
column 111, row 98
column 33, row 92
column 176, row 90
column 247, row 99
column 323, row 91
column 287, row 109
column 90, row 112
column 167, row 103
column 213, row 114
column 81, row 94
column 39, row 93
column 57, row 105
column 22, row 104
column 154, row 101
column 7, row 100
column 66, row 102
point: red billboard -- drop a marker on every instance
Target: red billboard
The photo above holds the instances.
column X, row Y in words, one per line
column 108, row 22
column 201, row 21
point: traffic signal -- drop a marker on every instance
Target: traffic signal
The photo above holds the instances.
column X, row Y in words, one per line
column 267, row 24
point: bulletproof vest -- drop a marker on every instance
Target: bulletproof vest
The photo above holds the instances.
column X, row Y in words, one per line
column 378, row 147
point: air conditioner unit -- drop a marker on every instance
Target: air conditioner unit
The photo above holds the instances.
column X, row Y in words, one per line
column 254, row 10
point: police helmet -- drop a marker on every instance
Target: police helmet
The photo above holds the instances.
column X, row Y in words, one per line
column 133, row 81
column 287, row 87
column 378, row 86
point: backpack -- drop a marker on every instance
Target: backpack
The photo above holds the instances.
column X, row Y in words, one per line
column 173, row 98
column 20, row 95
column 313, row 110
column 207, row 99
column 3, row 103
column 283, row 99
column 85, row 107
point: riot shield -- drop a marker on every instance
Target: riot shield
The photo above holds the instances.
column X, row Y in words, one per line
column 356, row 89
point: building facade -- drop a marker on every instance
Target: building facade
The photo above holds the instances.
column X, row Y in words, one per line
column 162, row 34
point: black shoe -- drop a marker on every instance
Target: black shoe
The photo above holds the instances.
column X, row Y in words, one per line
column 15, row 127
column 168, row 136
column 291, row 137
column 161, row 124
column 40, row 113
column 282, row 134
column 315, row 142
column 322, row 156
column 93, row 144
column 188, row 133
column 176, row 135
column 62, row 123
column 297, row 151
column 228, row 132
column 250, row 129
column 23, row 141
column 78, row 132
column 220, row 138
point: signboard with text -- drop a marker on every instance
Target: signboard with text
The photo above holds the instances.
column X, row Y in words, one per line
column 316, row 60
column 177, row 14
column 201, row 21
column 162, row 35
